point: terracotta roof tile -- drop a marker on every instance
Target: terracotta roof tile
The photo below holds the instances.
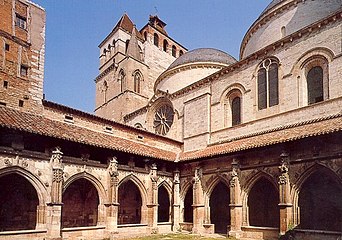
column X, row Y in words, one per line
column 283, row 134
column 38, row 124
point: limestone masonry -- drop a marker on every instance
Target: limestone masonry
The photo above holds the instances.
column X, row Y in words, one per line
column 181, row 140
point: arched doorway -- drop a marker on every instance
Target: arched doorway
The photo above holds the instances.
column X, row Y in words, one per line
column 320, row 203
column 164, row 205
column 263, row 203
column 188, row 210
column 18, row 203
column 130, row 203
column 219, row 207
column 80, row 204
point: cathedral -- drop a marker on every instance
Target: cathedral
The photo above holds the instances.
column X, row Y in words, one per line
column 180, row 140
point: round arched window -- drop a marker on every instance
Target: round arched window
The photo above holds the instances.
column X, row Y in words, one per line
column 163, row 119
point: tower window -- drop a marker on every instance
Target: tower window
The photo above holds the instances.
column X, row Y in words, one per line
column 137, row 80
column 20, row 21
column 21, row 103
column 145, row 36
column 315, row 85
column 5, row 84
column 23, row 71
column 165, row 45
column 156, row 40
column 127, row 43
column 7, row 47
column 181, row 52
column 174, row 51
column 122, row 80
column 267, row 84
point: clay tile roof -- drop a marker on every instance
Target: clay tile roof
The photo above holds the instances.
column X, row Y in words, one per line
column 38, row 124
column 283, row 134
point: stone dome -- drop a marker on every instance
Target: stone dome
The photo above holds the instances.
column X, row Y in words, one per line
column 282, row 18
column 203, row 55
column 191, row 67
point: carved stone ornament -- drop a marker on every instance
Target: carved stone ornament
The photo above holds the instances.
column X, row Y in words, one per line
column 198, row 174
column 56, row 157
column 153, row 173
column 8, row 162
column 232, row 182
column 113, row 167
column 57, row 175
column 176, row 178
column 282, row 179
column 284, row 169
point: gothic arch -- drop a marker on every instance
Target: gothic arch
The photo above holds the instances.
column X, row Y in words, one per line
column 97, row 184
column 318, row 185
column 41, row 190
column 167, row 187
column 184, row 189
column 164, row 202
column 297, row 186
column 260, row 174
column 139, row 184
column 213, row 183
column 247, row 186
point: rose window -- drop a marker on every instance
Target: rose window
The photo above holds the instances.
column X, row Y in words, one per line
column 163, row 119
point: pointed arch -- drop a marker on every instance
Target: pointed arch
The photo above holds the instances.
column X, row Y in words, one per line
column 132, row 197
column 262, row 202
column 81, row 203
column 319, row 200
column 167, row 186
column 19, row 203
column 213, row 183
column 218, row 200
column 137, row 79
column 40, row 188
column 138, row 183
column 164, row 202
column 92, row 179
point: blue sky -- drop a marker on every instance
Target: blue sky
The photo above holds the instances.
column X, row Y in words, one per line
column 76, row 27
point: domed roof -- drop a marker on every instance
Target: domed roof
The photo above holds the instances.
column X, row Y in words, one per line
column 203, row 55
column 282, row 18
column 271, row 5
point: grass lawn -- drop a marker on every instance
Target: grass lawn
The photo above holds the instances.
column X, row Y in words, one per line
column 178, row 237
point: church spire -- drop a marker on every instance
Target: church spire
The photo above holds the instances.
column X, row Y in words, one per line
column 133, row 47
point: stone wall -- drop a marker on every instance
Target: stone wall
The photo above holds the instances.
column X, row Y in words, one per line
column 22, row 56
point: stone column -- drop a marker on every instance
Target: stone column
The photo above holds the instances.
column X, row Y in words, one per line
column 152, row 206
column 285, row 205
column 176, row 201
column 198, row 202
column 112, row 205
column 54, row 209
column 235, row 202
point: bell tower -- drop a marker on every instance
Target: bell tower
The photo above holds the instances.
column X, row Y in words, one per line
column 130, row 62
